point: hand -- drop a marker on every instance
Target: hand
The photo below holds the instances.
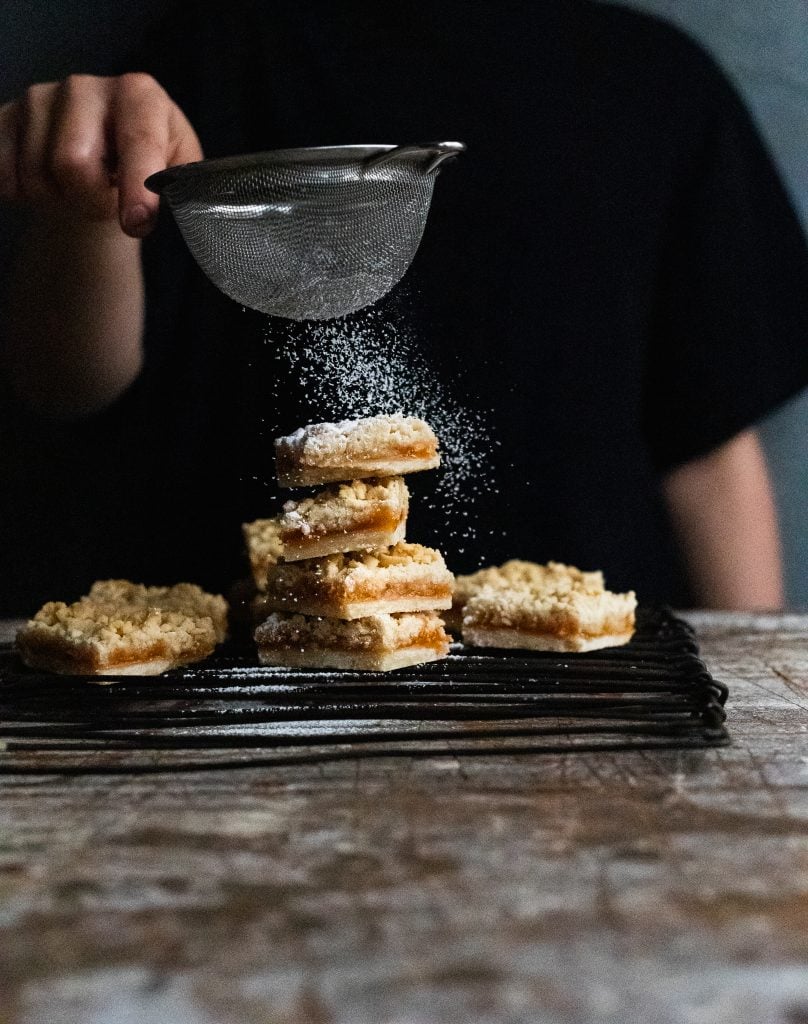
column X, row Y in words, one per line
column 82, row 148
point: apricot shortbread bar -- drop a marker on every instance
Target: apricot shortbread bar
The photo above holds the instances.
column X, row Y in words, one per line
column 123, row 628
column 364, row 515
column 355, row 449
column 374, row 643
column 566, row 617
column 403, row 578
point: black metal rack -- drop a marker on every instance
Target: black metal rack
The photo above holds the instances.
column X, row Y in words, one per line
column 229, row 712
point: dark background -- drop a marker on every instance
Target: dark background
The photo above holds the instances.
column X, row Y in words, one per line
column 762, row 44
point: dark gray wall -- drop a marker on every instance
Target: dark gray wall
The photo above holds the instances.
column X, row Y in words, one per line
column 45, row 40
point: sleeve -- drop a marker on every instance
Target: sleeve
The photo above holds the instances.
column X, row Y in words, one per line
column 730, row 328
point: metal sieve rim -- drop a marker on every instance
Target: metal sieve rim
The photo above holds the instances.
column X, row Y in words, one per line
column 371, row 153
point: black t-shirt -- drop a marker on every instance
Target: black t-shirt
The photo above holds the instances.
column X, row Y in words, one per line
column 611, row 280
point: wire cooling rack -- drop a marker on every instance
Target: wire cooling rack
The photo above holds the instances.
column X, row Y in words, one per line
column 228, row 712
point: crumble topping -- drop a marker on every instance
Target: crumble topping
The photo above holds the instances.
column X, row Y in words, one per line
column 181, row 598
column 359, row 566
column 554, row 576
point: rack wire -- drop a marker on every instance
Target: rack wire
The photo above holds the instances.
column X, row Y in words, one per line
column 229, row 712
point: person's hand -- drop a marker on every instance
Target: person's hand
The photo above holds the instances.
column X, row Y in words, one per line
column 82, row 148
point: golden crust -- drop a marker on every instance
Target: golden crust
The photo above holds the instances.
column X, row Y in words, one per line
column 120, row 624
column 355, row 449
column 405, row 577
column 514, row 638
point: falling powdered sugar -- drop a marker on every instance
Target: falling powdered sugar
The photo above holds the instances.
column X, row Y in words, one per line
column 371, row 364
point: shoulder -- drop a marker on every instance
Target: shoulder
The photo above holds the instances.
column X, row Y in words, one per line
column 651, row 54
column 627, row 28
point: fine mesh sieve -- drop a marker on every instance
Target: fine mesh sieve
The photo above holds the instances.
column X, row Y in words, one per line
column 306, row 234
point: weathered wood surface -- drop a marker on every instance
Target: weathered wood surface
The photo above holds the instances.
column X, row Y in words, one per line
column 650, row 887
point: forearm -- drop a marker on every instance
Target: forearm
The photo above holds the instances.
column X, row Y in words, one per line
column 724, row 514
column 73, row 316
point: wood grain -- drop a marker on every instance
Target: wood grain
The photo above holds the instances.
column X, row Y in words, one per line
column 620, row 887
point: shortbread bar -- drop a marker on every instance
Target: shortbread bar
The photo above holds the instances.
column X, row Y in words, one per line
column 542, row 619
column 355, row 449
column 364, row 515
column 123, row 628
column 517, row 573
column 264, row 547
column 376, row 643
column 404, row 578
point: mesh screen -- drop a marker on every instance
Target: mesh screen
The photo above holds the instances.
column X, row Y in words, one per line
column 304, row 240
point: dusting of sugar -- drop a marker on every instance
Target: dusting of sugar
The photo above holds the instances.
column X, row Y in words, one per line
column 319, row 437
column 372, row 364
column 306, row 727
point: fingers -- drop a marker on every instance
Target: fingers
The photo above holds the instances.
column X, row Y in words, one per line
column 87, row 144
column 52, row 150
column 24, row 133
column 78, row 157
column 150, row 133
column 33, row 165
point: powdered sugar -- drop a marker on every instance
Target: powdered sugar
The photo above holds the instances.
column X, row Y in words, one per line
column 323, row 440
column 372, row 364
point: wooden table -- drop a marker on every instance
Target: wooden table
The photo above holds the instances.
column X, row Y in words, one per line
column 617, row 887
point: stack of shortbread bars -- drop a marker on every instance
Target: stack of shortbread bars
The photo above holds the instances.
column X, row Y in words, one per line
column 338, row 586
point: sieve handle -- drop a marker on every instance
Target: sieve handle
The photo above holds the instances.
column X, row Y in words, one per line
column 437, row 151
